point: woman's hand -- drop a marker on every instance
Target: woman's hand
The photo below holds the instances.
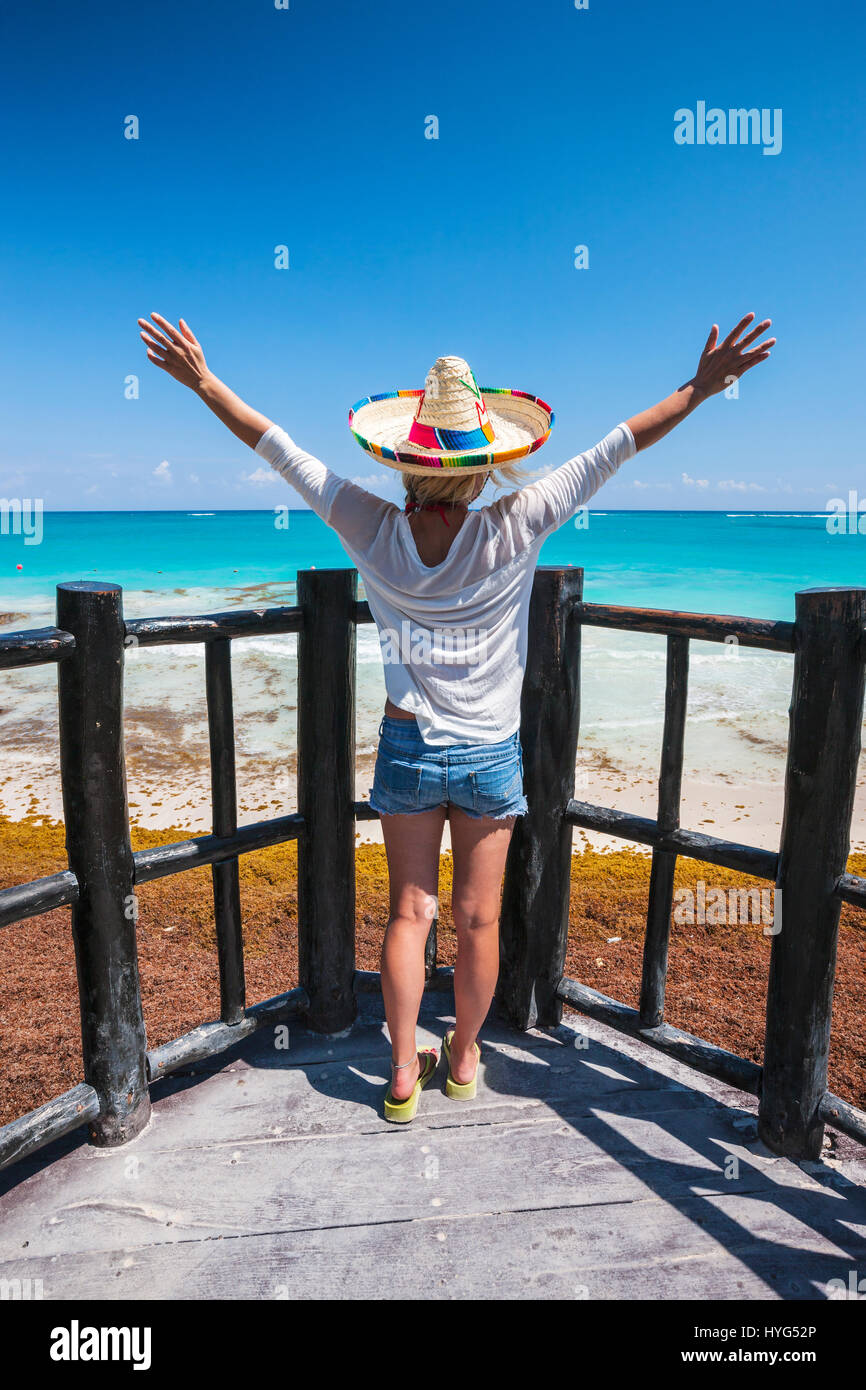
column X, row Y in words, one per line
column 722, row 363
column 176, row 350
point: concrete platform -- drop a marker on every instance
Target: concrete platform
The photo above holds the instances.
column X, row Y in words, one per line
column 589, row 1167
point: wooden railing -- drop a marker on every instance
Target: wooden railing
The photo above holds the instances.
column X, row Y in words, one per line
column 828, row 640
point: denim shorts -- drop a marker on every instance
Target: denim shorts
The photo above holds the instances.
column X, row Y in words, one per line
column 482, row 779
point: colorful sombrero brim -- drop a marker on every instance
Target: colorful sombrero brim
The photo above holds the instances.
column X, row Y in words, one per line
column 521, row 424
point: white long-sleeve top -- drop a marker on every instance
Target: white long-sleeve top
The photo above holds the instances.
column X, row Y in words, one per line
column 453, row 635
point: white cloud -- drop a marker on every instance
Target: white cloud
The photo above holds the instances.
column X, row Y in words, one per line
column 695, row 482
column 193, row 477
column 730, row 485
column 373, row 480
column 263, row 477
column 162, row 472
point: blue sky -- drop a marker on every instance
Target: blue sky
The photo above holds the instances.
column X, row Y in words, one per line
column 306, row 127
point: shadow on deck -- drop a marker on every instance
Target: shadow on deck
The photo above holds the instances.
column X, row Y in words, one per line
column 604, row 1171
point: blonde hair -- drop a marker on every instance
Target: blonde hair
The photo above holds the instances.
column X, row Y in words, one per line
column 453, row 486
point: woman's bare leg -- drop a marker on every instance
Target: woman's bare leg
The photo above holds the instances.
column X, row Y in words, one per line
column 479, row 847
column 412, row 844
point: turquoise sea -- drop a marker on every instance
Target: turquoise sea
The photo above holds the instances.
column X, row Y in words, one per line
column 725, row 562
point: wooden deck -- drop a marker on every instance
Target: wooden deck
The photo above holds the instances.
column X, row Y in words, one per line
column 594, row 1172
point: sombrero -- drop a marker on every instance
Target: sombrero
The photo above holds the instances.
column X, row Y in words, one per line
column 451, row 423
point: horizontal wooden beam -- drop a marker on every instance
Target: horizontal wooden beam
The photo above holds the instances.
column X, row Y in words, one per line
column 703, row 627
column 209, row 1039
column 361, row 612
column 852, row 889
column 693, row 1052
column 42, row 895
column 762, row 863
column 36, row 647
column 47, row 1123
column 163, row 860
column 61, row 890
column 364, row 811
column 838, row 1113
column 247, row 622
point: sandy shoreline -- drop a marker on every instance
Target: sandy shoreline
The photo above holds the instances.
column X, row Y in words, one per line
column 171, row 787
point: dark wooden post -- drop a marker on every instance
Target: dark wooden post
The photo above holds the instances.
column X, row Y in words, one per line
column 536, row 892
column 326, row 794
column 90, row 696
column 820, row 779
column 226, row 878
column 664, row 862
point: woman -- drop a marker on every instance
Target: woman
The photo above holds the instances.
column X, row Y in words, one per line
column 449, row 590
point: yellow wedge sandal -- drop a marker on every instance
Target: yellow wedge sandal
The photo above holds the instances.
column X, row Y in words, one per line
column 400, row 1112
column 454, row 1089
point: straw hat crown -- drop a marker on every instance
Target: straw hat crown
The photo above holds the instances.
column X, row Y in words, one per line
column 451, row 405
column 450, row 422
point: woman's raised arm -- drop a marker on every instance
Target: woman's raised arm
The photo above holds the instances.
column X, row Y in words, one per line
column 535, row 511
column 354, row 513
column 178, row 352
column 720, row 364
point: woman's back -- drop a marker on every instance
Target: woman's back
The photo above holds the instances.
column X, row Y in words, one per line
column 434, row 533
column 452, row 609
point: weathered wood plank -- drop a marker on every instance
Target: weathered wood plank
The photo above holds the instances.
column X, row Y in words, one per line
column 41, row 895
column 704, row 627
column 225, row 875
column 93, row 776
column 664, row 863
column 706, row 1057
column 326, row 789
column 762, row 863
column 844, row 1116
column 35, row 647
column 535, row 894
column 820, row 782
column 580, row 1173
column 213, row 1186
column 49, row 1122
column 163, row 860
column 635, row 1251
column 211, row 1039
column 852, row 889
column 259, row 622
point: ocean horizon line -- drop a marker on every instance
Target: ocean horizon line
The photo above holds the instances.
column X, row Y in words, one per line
column 307, row 511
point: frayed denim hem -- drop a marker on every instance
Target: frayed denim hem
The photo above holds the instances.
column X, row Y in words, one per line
column 488, row 815
column 415, row 811
column 473, row 815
